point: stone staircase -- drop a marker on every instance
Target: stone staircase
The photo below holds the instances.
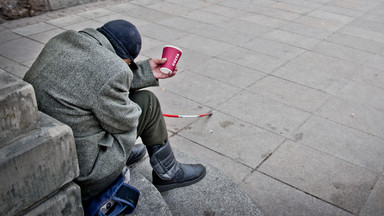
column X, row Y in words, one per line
column 38, row 159
column 38, row 164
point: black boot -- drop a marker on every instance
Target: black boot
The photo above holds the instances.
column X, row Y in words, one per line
column 137, row 153
column 168, row 173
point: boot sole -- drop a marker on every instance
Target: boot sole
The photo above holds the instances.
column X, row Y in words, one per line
column 162, row 188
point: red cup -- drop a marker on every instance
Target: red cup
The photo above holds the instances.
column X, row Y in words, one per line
column 173, row 55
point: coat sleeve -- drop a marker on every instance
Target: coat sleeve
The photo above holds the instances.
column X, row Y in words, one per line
column 117, row 114
column 143, row 76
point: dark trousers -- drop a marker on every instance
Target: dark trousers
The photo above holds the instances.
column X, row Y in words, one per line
column 151, row 129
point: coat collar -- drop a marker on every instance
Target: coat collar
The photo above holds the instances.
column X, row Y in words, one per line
column 99, row 37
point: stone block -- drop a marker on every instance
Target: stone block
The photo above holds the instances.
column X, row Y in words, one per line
column 36, row 165
column 67, row 201
column 18, row 110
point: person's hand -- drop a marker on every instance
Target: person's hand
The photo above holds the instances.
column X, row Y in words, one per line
column 155, row 65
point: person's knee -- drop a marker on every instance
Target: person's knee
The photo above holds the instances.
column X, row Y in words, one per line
column 145, row 98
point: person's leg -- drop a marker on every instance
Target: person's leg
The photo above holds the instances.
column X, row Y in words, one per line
column 167, row 172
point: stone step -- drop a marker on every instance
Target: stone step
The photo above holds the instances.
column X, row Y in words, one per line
column 18, row 110
column 34, row 166
column 216, row 194
column 150, row 202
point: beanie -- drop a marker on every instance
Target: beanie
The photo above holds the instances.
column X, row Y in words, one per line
column 124, row 37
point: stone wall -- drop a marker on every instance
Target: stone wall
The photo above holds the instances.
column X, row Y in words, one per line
column 14, row 9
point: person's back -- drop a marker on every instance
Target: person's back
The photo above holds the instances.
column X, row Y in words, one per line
column 89, row 81
column 70, row 77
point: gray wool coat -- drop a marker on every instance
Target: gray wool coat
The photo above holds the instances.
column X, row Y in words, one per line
column 79, row 80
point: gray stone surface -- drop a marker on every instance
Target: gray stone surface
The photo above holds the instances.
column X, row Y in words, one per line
column 331, row 179
column 150, row 201
column 277, row 198
column 18, row 108
column 67, row 201
column 343, row 142
column 354, row 115
column 374, row 204
column 250, row 146
column 265, row 113
column 27, row 163
column 215, row 194
column 327, row 99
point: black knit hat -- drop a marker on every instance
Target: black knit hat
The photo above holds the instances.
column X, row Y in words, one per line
column 124, row 37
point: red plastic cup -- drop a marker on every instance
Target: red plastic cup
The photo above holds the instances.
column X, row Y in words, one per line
column 173, row 55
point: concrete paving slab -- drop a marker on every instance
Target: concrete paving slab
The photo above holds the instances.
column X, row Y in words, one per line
column 232, row 168
column 250, row 146
column 306, row 30
column 67, row 20
column 205, row 17
column 318, row 71
column 120, row 7
column 265, row 113
column 198, row 88
column 277, row 198
column 286, row 6
column 10, row 66
column 228, row 72
column 335, row 181
column 277, row 13
column 205, row 45
column 184, row 24
column 122, row 15
column 225, row 35
column 292, row 39
column 33, row 29
column 174, row 104
column 263, row 20
column 169, row 8
column 142, row 13
column 354, row 115
column 342, row 11
column 273, row 48
column 374, row 205
column 368, row 25
column 363, row 93
column 223, row 11
column 359, row 32
column 161, row 32
column 329, row 25
column 7, row 36
column 357, row 43
column 343, row 142
column 21, row 49
column 83, row 25
column 351, row 54
column 191, row 4
column 370, row 76
column 290, row 93
column 246, row 27
column 95, row 13
column 44, row 37
column 252, row 59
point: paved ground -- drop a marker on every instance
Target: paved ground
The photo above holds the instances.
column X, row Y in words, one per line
column 295, row 87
